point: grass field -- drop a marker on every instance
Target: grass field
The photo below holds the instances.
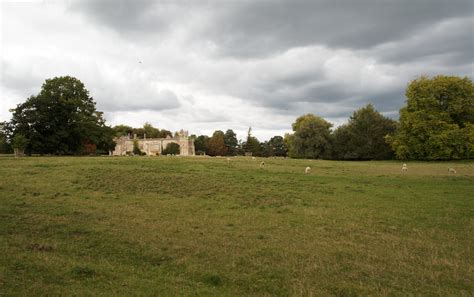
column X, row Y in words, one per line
column 136, row 226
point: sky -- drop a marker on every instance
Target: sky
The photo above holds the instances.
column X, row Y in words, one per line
column 217, row 65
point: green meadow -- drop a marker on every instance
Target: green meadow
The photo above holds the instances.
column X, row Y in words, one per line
column 197, row 226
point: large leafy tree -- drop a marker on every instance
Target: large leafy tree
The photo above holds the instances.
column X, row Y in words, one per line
column 278, row 146
column 216, row 145
column 266, row 150
column 437, row 122
column 165, row 133
column 201, row 144
column 61, row 119
column 274, row 147
column 311, row 138
column 122, row 130
column 231, row 142
column 150, row 131
column 363, row 137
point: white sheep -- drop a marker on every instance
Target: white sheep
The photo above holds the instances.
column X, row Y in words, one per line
column 228, row 160
column 404, row 167
column 262, row 164
column 253, row 158
column 452, row 170
column 307, row 170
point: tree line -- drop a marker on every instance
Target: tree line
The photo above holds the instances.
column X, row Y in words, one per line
column 146, row 131
column 226, row 144
column 362, row 138
column 436, row 123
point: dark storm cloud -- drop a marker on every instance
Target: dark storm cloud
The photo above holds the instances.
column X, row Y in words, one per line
column 285, row 98
column 343, row 106
column 122, row 15
column 263, row 27
column 333, row 93
column 387, row 101
column 450, row 42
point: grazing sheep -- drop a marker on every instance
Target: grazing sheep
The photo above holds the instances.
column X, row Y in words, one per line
column 228, row 160
column 307, row 170
column 253, row 158
column 262, row 164
column 452, row 170
column 404, row 167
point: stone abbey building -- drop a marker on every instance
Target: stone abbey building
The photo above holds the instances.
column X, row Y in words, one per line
column 154, row 146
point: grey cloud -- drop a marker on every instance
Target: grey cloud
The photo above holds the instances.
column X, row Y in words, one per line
column 299, row 79
column 325, row 110
column 326, row 93
column 298, row 98
column 261, row 27
column 451, row 43
column 121, row 15
column 110, row 95
column 202, row 115
column 25, row 81
column 292, row 100
column 128, row 100
column 343, row 107
column 345, row 101
column 388, row 100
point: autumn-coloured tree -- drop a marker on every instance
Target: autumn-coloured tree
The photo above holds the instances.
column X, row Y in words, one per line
column 216, row 144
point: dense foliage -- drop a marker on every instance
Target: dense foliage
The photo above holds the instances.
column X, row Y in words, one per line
column 275, row 147
column 171, row 149
column 19, row 142
column 147, row 131
column 61, row 119
column 437, row 122
column 216, row 144
column 311, row 138
column 5, row 146
column 231, row 142
column 201, row 144
column 363, row 137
